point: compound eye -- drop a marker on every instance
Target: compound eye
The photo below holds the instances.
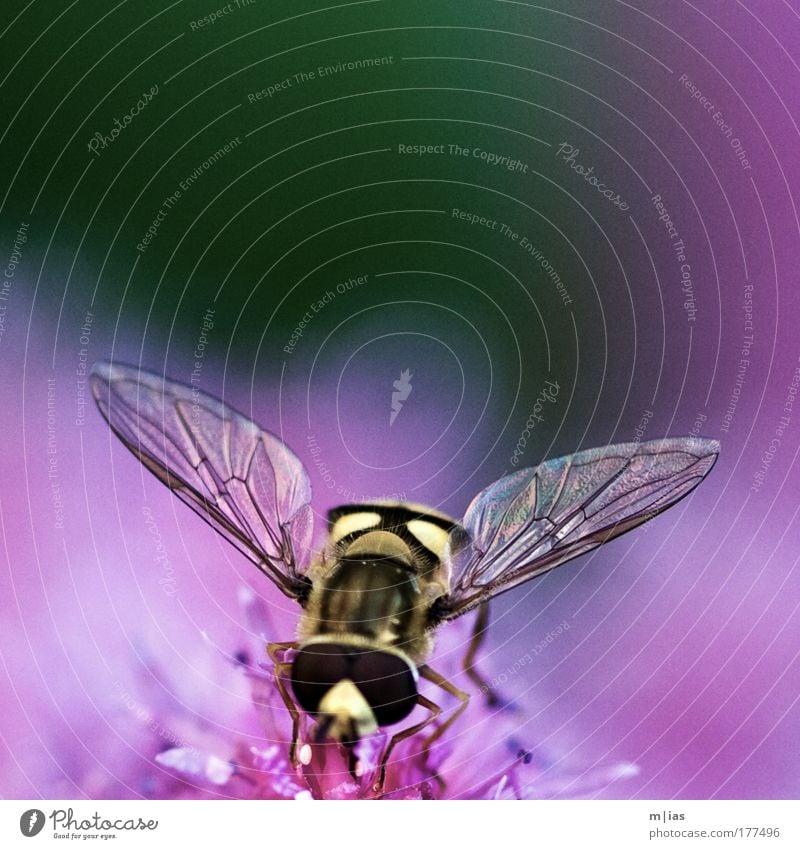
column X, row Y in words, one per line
column 315, row 670
column 385, row 680
column 388, row 685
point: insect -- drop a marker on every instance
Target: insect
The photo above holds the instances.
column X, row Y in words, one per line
column 389, row 573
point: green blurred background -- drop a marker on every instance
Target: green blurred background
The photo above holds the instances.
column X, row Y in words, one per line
column 317, row 191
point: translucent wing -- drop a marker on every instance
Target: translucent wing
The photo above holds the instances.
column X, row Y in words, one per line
column 242, row 480
column 536, row 519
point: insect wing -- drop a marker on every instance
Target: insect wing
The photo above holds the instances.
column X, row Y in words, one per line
column 536, row 519
column 242, row 480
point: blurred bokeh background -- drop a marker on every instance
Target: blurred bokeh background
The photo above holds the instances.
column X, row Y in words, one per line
column 291, row 204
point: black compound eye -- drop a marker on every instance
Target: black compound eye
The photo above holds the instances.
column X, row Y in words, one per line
column 385, row 680
column 315, row 670
column 387, row 684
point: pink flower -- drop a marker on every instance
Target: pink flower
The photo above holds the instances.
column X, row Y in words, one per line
column 484, row 762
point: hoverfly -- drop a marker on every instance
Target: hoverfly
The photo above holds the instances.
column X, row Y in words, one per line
column 390, row 573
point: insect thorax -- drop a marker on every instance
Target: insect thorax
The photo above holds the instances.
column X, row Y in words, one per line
column 383, row 570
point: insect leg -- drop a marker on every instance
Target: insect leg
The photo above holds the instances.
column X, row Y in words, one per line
column 479, row 631
column 274, row 648
column 435, row 711
column 436, row 678
column 281, row 668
